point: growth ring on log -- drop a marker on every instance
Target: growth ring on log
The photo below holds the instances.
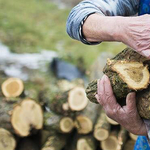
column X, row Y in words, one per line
column 66, row 124
column 12, row 87
column 7, row 141
column 111, row 143
column 27, row 116
column 77, row 99
column 83, row 124
column 83, row 144
column 134, row 74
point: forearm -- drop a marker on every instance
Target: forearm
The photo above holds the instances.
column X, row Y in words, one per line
column 98, row 28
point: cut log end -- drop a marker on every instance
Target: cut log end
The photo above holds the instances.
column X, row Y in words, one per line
column 101, row 134
column 12, row 87
column 77, row 99
column 26, row 117
column 66, row 125
column 133, row 136
column 111, row 143
column 82, row 144
column 7, row 141
column 134, row 74
column 111, row 121
column 83, row 124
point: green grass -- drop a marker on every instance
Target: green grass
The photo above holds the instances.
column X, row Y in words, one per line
column 32, row 25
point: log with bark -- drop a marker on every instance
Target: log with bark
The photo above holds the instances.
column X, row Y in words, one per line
column 7, row 140
column 102, row 127
column 128, row 72
column 86, row 119
column 65, row 102
column 129, row 145
column 55, row 142
column 21, row 118
column 122, row 137
column 59, row 123
column 111, row 143
column 81, row 142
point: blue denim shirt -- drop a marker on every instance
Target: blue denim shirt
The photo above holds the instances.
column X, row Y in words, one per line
column 80, row 12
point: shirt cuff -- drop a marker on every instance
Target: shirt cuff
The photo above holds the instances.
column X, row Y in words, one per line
column 82, row 38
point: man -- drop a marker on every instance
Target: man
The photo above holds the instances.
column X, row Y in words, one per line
column 93, row 21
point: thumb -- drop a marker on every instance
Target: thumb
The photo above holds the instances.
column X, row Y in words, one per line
column 131, row 101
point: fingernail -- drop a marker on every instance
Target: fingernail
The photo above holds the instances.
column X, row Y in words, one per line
column 146, row 53
column 105, row 77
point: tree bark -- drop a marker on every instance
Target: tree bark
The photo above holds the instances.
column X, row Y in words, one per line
column 65, row 103
column 102, row 127
column 127, row 72
column 61, row 124
column 55, row 142
column 110, row 142
column 85, row 120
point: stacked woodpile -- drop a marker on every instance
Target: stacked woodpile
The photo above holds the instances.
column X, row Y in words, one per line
column 60, row 117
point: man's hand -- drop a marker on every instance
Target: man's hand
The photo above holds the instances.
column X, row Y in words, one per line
column 127, row 115
column 135, row 32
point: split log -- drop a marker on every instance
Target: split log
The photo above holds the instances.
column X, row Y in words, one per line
column 66, row 102
column 12, row 87
column 102, row 127
column 111, row 121
column 133, row 136
column 61, row 124
column 111, row 143
column 122, row 137
column 55, row 142
column 7, row 141
column 85, row 121
column 21, row 118
column 27, row 143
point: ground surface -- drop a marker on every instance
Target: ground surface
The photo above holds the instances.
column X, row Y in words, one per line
column 30, row 26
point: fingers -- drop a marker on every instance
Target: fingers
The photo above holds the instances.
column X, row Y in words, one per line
column 106, row 97
column 131, row 101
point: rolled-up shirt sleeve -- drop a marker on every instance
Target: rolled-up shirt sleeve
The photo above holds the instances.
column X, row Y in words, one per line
column 85, row 8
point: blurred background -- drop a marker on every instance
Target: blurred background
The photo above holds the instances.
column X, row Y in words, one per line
column 35, row 48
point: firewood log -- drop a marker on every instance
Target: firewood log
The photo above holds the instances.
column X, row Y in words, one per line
column 55, row 142
column 127, row 72
column 85, row 120
column 122, row 137
column 111, row 121
column 102, row 127
column 129, row 145
column 7, row 141
column 133, row 136
column 21, row 118
column 111, row 143
column 59, row 123
column 12, row 87
column 65, row 102
column 81, row 142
